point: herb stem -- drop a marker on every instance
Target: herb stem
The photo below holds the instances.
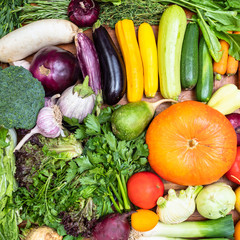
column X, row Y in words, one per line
column 113, row 201
column 124, row 194
column 116, row 194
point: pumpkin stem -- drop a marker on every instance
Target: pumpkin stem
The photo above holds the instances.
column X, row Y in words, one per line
column 192, row 143
column 156, row 104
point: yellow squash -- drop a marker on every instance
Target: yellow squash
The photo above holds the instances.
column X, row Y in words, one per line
column 148, row 50
column 127, row 40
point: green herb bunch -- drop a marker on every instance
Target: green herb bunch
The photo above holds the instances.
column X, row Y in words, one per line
column 9, row 16
column 70, row 194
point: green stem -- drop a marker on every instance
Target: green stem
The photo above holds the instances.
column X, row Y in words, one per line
column 124, row 195
column 125, row 188
column 116, row 194
column 113, row 201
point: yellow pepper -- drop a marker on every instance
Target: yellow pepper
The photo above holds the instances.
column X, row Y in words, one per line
column 226, row 99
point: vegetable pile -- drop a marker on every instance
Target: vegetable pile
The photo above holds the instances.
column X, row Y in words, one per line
column 82, row 164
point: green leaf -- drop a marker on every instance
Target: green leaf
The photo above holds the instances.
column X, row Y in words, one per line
column 71, row 171
column 234, row 42
column 80, row 133
column 224, row 20
column 234, row 3
column 83, row 164
column 210, row 38
column 92, row 125
column 111, row 140
column 3, row 136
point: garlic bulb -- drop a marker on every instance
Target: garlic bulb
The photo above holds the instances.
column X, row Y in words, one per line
column 49, row 124
column 173, row 209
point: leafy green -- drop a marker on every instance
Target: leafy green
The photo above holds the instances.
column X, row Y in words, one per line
column 215, row 15
column 9, row 18
column 77, row 192
column 22, row 96
column 234, row 42
column 114, row 2
column 9, row 218
column 211, row 39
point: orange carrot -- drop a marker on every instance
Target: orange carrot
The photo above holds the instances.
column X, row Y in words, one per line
column 232, row 64
column 220, row 67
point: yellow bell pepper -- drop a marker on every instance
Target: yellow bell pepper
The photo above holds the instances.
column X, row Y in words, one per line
column 226, row 99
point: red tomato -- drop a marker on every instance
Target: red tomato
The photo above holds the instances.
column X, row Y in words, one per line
column 144, row 189
column 234, row 173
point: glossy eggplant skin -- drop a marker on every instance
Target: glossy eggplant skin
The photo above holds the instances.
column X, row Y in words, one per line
column 113, row 73
column 88, row 61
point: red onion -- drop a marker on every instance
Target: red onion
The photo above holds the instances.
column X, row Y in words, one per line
column 56, row 68
column 83, row 13
column 234, row 119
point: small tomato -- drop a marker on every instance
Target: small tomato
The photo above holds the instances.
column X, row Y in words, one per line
column 144, row 189
column 234, row 173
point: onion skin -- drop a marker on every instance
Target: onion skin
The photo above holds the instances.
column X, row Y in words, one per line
column 234, row 119
column 84, row 13
column 56, row 68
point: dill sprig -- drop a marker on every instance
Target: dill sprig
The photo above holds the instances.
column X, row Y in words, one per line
column 9, row 17
column 137, row 10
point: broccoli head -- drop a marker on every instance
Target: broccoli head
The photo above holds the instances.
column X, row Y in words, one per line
column 22, row 96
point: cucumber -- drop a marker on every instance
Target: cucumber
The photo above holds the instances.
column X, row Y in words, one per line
column 189, row 57
column 204, row 87
column 171, row 32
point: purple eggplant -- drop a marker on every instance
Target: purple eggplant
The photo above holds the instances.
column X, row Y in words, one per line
column 113, row 73
column 88, row 61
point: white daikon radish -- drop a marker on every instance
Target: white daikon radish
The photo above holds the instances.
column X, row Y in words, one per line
column 30, row 38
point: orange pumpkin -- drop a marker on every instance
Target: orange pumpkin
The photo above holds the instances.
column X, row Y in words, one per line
column 191, row 143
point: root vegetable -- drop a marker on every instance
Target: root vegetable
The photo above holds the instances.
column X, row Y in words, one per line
column 43, row 233
column 114, row 226
column 30, row 38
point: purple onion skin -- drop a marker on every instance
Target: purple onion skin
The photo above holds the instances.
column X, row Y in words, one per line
column 114, row 226
column 234, row 119
column 84, row 13
column 56, row 68
column 88, row 61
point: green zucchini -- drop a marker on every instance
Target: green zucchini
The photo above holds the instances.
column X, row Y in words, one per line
column 204, row 86
column 171, row 32
column 189, row 57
